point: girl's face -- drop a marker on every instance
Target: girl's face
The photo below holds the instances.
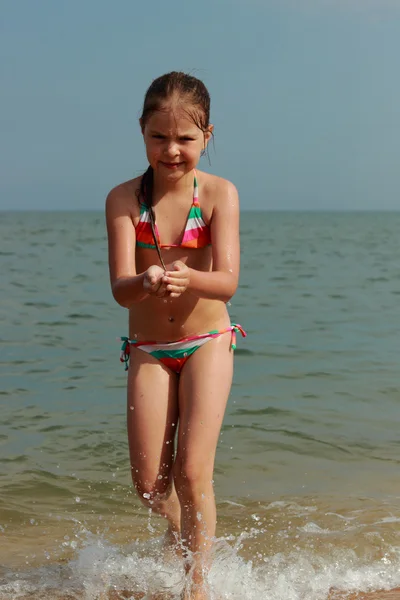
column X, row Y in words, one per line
column 173, row 142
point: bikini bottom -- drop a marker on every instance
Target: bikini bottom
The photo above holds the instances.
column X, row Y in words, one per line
column 175, row 354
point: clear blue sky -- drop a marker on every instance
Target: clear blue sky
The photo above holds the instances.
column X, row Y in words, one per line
column 305, row 97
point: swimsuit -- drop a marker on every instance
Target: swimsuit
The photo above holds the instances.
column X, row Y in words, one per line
column 174, row 354
column 196, row 234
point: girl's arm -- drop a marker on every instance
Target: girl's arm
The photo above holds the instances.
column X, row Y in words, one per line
column 126, row 285
column 221, row 283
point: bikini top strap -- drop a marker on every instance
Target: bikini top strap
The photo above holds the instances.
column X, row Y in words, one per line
column 145, row 208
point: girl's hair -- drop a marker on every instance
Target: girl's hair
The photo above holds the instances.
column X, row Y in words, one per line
column 188, row 89
column 190, row 92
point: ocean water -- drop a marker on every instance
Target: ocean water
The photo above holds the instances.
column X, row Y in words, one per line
column 307, row 472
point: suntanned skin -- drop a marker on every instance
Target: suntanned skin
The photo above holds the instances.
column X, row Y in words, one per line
column 189, row 298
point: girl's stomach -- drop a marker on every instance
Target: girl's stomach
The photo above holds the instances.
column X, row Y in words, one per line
column 169, row 319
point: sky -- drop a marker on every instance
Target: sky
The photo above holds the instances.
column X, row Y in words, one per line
column 305, row 97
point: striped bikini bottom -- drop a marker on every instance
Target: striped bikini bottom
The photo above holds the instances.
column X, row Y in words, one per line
column 174, row 354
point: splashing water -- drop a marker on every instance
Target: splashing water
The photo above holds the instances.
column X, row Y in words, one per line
column 242, row 568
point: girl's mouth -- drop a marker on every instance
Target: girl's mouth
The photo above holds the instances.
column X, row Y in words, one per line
column 171, row 166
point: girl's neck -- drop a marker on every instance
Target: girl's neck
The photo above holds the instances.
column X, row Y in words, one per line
column 163, row 186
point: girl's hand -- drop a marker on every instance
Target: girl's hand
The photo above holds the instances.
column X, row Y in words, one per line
column 177, row 280
column 153, row 281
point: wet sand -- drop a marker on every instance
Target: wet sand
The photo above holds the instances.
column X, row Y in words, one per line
column 62, row 542
column 378, row 595
column 126, row 594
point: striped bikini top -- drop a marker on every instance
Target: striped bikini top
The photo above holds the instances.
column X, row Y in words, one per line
column 196, row 234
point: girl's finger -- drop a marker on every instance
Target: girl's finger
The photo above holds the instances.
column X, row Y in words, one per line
column 162, row 288
column 176, row 288
column 177, row 281
column 175, row 275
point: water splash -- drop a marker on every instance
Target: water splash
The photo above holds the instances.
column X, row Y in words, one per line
column 101, row 570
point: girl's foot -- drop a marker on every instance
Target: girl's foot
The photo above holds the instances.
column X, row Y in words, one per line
column 199, row 594
column 196, row 591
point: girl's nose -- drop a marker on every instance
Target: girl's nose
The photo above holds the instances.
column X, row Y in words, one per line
column 172, row 149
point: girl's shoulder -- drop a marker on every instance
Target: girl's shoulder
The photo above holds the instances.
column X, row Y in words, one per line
column 214, row 189
column 124, row 197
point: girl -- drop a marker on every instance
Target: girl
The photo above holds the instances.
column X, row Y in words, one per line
column 174, row 263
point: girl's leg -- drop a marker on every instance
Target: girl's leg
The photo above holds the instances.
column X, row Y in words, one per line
column 204, row 387
column 152, row 416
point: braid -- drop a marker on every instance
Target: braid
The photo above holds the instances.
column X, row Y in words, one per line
column 146, row 188
column 146, row 195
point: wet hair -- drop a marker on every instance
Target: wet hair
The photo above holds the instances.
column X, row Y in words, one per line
column 187, row 89
column 190, row 92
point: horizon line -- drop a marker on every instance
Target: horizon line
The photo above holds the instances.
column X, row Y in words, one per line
column 246, row 210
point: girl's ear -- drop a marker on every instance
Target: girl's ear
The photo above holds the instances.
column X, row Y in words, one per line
column 141, row 126
column 208, row 135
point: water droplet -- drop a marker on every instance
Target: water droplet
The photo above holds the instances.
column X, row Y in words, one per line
column 77, row 499
column 159, row 477
column 146, row 495
column 149, row 525
column 199, row 516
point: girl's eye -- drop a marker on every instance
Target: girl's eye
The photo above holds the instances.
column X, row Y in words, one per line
column 185, row 138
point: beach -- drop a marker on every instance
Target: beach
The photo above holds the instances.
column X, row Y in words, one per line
column 306, row 476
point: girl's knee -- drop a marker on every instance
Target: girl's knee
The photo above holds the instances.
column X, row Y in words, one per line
column 192, row 478
column 152, row 490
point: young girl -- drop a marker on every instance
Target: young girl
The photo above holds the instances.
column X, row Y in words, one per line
column 174, row 264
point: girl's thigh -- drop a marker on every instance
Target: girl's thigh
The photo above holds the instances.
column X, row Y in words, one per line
column 152, row 415
column 204, row 388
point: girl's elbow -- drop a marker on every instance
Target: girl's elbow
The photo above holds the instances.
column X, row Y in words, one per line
column 124, row 295
column 118, row 296
column 230, row 290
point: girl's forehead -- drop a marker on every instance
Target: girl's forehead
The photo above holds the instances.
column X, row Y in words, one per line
column 171, row 120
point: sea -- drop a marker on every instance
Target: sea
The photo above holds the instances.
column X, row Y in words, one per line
column 307, row 476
